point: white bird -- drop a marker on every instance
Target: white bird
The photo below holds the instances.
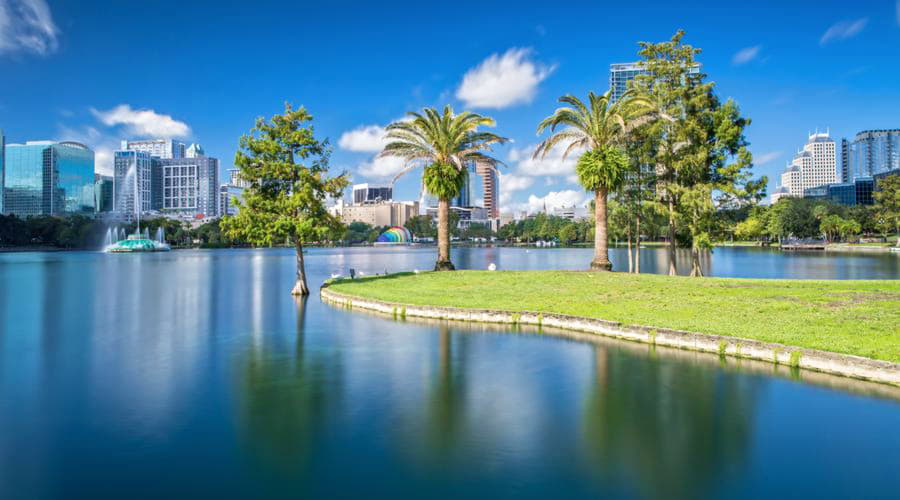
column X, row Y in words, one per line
column 492, row 267
column 335, row 276
column 360, row 273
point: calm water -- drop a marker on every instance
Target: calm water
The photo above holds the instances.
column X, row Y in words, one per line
column 196, row 373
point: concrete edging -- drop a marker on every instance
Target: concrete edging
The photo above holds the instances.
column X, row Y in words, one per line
column 808, row 359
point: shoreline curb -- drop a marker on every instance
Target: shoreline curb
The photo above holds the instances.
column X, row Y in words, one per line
column 845, row 365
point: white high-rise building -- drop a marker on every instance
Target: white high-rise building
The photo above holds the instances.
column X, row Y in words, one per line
column 160, row 148
column 813, row 166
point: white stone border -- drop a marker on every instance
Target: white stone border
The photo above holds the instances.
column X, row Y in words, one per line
column 807, row 359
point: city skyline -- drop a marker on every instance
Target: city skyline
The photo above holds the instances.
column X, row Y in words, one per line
column 832, row 75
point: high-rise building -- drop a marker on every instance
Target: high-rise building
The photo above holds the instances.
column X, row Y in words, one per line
column 622, row 73
column 619, row 76
column 386, row 213
column 369, row 193
column 134, row 173
column 873, row 152
column 490, row 182
column 103, row 193
column 193, row 151
column 190, row 186
column 227, row 195
column 465, row 194
column 48, row 178
column 845, row 175
column 812, row 166
column 161, row 148
column 235, row 179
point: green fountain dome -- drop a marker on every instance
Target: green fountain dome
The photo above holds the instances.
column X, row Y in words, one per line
column 137, row 243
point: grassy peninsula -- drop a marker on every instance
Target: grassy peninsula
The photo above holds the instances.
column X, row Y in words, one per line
column 849, row 317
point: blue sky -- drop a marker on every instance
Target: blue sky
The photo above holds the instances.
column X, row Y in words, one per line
column 203, row 71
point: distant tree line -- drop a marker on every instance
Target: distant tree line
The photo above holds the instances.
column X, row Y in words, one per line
column 78, row 232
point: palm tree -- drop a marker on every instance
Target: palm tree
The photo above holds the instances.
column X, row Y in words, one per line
column 444, row 144
column 600, row 128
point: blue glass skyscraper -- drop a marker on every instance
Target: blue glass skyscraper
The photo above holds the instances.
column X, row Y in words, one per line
column 873, row 152
column 48, row 178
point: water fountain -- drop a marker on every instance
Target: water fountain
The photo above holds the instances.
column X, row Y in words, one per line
column 116, row 240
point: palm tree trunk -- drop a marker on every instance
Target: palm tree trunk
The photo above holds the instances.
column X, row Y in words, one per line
column 601, row 245
column 630, row 257
column 637, row 243
column 673, row 270
column 443, row 261
column 300, row 287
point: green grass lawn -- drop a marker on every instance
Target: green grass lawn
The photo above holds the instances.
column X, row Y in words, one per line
column 851, row 317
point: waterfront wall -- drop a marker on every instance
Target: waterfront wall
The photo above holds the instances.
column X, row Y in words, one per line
column 807, row 359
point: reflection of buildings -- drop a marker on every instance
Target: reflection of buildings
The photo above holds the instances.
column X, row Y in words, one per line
column 48, row 178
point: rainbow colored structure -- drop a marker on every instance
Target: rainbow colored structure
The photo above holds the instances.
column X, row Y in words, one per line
column 395, row 235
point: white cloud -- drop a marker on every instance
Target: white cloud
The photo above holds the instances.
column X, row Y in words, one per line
column 555, row 199
column 27, row 25
column 143, row 122
column 367, row 138
column 746, row 55
column 381, row 168
column 843, row 30
column 510, row 184
column 766, row 158
column 552, row 164
column 501, row 81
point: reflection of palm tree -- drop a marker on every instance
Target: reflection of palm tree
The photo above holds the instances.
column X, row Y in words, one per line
column 446, row 401
column 285, row 398
column 673, row 426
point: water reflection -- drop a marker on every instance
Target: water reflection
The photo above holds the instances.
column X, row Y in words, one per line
column 444, row 410
column 678, row 427
column 286, row 395
column 198, row 368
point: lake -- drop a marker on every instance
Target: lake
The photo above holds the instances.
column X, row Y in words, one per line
column 195, row 373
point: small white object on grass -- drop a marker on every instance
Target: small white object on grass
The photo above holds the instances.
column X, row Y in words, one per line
column 335, row 276
column 492, row 267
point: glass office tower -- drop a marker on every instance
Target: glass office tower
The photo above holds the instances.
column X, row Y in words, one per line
column 873, row 152
column 48, row 178
column 622, row 73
